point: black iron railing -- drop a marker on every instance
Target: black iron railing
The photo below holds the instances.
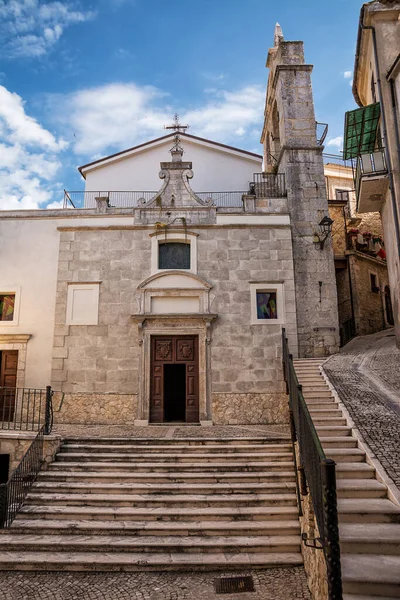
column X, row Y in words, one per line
column 26, row 409
column 116, row 199
column 321, row 130
column 13, row 493
column 269, row 185
column 227, row 199
column 319, row 472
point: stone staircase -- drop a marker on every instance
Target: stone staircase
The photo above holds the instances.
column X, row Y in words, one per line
column 159, row 504
column 369, row 523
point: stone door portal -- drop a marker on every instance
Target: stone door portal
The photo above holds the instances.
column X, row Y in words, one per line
column 174, row 384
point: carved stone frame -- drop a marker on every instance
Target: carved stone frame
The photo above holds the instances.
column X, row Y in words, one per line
column 196, row 325
column 16, row 341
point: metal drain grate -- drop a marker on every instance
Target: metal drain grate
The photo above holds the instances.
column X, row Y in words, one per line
column 234, row 585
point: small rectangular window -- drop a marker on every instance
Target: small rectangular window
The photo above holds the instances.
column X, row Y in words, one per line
column 266, row 305
column 342, row 195
column 374, row 283
column 173, row 255
column 7, row 306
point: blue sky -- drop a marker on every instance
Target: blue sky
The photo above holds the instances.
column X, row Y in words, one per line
column 82, row 79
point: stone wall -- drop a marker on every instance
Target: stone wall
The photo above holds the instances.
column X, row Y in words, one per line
column 96, row 409
column 254, row 409
column 17, row 443
column 97, row 366
column 338, row 230
column 368, row 306
column 314, row 559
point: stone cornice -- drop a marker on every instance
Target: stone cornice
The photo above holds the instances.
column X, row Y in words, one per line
column 14, row 338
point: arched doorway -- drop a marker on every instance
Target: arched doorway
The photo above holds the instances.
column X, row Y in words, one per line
column 388, row 306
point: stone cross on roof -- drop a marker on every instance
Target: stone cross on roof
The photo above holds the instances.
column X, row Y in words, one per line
column 177, row 150
column 176, row 126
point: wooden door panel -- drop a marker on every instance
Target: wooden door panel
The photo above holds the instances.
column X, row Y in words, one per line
column 174, row 350
column 8, row 379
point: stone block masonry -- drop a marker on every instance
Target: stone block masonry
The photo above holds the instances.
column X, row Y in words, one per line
column 98, row 367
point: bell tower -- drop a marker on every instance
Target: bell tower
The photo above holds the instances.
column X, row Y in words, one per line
column 290, row 147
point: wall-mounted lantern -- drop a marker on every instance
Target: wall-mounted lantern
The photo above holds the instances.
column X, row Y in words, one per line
column 326, row 229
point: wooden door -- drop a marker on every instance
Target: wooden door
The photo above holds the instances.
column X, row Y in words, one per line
column 8, row 383
column 174, row 350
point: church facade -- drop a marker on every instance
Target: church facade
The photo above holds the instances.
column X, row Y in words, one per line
column 167, row 304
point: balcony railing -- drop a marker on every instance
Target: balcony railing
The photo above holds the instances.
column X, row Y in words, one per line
column 321, row 130
column 119, row 199
column 269, row 185
column 264, row 185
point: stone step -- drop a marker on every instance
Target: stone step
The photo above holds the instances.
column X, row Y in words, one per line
column 185, row 441
column 119, row 561
column 87, row 487
column 338, row 442
column 370, row 510
column 183, row 448
column 325, row 403
column 312, row 395
column 349, row 455
column 333, row 431
column 157, row 528
column 374, row 574
column 186, row 478
column 315, row 387
column 147, row 544
column 325, row 412
column 173, row 458
column 143, row 467
column 327, row 421
column 360, row 488
column 263, row 513
column 370, row 538
column 161, row 500
column 354, row 471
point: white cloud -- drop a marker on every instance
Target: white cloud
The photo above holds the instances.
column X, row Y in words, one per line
column 117, row 116
column 337, row 141
column 30, row 28
column 348, row 74
column 28, row 158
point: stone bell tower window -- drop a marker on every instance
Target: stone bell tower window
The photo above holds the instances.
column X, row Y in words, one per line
column 173, row 255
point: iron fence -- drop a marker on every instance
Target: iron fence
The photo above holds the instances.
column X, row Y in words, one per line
column 269, row 185
column 26, row 409
column 116, row 199
column 13, row 493
column 226, row 199
column 319, row 472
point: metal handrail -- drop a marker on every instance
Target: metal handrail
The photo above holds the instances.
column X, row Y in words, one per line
column 319, row 473
column 13, row 493
column 25, row 409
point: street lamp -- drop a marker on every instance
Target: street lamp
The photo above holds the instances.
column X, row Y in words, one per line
column 326, row 229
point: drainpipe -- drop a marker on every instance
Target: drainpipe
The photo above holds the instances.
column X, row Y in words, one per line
column 384, row 133
column 349, row 275
column 395, row 116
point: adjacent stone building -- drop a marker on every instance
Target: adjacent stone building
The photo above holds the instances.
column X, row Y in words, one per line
column 363, row 290
column 372, row 133
column 166, row 302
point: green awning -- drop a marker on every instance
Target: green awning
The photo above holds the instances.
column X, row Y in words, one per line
column 360, row 129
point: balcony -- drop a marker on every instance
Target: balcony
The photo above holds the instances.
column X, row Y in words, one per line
column 371, row 181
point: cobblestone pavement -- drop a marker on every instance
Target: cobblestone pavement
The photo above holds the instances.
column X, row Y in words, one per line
column 161, row 431
column 366, row 375
column 270, row 584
